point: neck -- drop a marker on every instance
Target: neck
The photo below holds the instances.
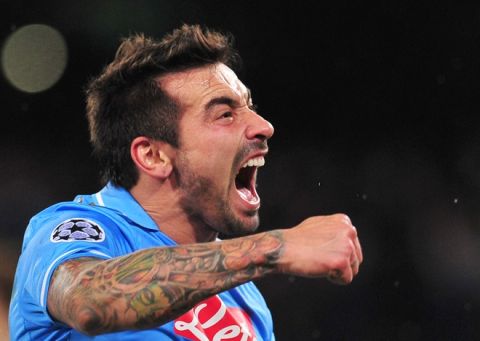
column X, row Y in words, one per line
column 162, row 204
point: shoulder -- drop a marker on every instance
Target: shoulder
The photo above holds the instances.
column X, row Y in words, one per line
column 69, row 225
column 62, row 220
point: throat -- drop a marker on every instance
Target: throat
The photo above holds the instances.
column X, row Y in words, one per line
column 190, row 230
column 181, row 224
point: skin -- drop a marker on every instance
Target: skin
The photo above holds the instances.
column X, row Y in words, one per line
column 215, row 140
column 151, row 287
column 191, row 193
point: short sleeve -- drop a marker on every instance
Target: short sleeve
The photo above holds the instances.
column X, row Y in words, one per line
column 55, row 240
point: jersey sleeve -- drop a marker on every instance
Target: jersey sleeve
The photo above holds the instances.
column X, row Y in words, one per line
column 58, row 238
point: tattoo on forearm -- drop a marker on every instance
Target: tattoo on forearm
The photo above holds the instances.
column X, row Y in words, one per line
column 153, row 286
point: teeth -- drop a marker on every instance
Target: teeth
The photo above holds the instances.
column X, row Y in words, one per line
column 255, row 162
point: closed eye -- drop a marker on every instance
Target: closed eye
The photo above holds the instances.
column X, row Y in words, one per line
column 227, row 114
column 226, row 117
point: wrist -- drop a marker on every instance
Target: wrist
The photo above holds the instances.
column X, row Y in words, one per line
column 274, row 248
column 259, row 251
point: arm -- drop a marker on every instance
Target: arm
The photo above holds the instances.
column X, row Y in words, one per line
column 153, row 286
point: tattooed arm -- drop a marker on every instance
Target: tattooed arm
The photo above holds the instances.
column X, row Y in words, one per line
column 153, row 286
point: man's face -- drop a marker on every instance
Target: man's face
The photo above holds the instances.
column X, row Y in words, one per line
column 222, row 143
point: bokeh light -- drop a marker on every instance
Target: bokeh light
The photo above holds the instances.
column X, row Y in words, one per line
column 34, row 58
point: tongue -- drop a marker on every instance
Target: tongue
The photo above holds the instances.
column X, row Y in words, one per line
column 246, row 195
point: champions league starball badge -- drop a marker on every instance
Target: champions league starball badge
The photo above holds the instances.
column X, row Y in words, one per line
column 77, row 230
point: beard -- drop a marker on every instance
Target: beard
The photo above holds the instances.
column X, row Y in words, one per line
column 207, row 205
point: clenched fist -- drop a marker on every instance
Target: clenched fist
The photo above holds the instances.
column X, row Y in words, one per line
column 322, row 246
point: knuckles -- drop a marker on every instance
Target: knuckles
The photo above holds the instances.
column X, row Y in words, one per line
column 337, row 218
column 337, row 238
column 339, row 222
column 342, row 217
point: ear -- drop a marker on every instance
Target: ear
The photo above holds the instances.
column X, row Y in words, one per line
column 152, row 157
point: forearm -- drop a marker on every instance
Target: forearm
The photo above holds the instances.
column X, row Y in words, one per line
column 153, row 286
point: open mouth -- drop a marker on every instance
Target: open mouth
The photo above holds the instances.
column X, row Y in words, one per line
column 245, row 182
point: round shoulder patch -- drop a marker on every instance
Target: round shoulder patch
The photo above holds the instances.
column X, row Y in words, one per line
column 77, row 229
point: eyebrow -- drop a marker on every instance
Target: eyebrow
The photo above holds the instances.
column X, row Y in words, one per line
column 227, row 101
column 221, row 100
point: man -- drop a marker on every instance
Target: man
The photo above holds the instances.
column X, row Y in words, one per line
column 179, row 143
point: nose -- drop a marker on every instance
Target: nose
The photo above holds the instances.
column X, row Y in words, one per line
column 259, row 128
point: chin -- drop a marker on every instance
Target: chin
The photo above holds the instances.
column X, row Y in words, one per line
column 242, row 226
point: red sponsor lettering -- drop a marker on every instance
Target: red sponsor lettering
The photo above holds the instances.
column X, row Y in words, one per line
column 212, row 320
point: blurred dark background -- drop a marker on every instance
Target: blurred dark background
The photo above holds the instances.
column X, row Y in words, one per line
column 376, row 110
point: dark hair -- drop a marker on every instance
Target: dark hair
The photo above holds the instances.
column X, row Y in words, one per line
column 125, row 101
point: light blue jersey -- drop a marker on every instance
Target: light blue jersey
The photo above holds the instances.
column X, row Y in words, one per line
column 106, row 225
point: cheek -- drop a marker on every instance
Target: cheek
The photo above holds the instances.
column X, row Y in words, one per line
column 218, row 167
column 212, row 153
column 213, row 159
